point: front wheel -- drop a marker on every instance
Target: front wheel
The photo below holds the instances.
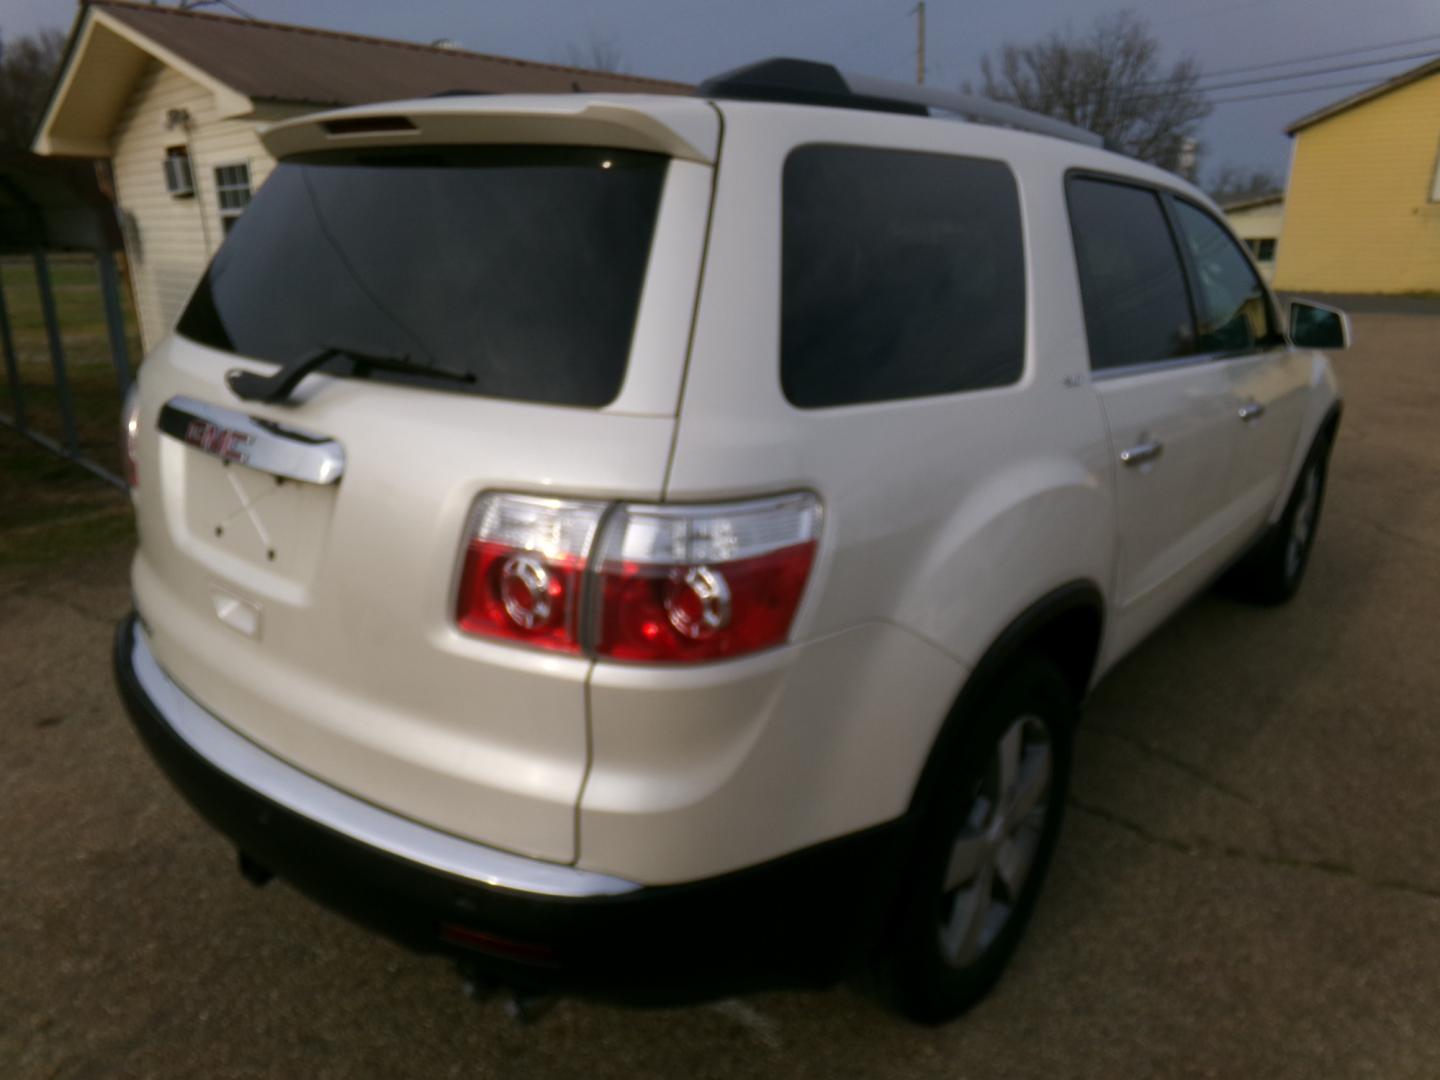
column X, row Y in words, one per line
column 1272, row 571
column 985, row 847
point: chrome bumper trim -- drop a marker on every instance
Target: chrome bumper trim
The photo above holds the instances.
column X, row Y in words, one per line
column 267, row 775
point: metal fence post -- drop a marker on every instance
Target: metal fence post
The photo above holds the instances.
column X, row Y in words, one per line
column 12, row 371
column 114, row 316
column 57, row 351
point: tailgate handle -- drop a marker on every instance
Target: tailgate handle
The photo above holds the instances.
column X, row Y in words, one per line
column 250, row 441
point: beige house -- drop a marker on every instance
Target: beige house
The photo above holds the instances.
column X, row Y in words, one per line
column 174, row 99
column 1257, row 220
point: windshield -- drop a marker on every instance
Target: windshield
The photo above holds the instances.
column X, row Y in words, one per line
column 520, row 266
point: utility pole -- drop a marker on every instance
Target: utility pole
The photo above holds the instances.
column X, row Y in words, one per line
column 919, row 12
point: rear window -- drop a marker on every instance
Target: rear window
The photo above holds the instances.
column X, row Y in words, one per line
column 521, row 266
column 903, row 276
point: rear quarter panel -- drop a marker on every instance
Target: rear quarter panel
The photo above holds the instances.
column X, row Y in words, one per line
column 945, row 517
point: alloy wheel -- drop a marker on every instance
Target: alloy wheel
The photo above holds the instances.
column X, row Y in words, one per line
column 995, row 850
column 1302, row 526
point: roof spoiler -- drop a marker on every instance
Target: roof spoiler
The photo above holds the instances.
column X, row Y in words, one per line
column 676, row 126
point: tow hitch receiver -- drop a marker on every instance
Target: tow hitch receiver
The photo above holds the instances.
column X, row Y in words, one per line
column 253, row 872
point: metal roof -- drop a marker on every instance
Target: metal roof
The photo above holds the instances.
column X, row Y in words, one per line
column 1250, row 202
column 1430, row 67
column 269, row 61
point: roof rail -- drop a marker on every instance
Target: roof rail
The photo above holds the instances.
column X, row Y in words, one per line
column 809, row 82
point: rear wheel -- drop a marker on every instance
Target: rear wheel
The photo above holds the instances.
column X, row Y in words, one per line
column 985, row 847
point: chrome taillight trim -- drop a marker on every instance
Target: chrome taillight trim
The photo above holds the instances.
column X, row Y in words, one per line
column 805, row 506
column 279, row 450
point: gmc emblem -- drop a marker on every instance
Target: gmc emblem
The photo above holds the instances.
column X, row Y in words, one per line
column 222, row 442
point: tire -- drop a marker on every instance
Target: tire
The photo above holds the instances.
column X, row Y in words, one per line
column 977, row 869
column 1272, row 571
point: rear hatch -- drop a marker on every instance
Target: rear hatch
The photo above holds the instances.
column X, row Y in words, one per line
column 455, row 316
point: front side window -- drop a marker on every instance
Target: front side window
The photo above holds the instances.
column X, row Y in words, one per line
column 1233, row 307
column 232, row 191
column 1137, row 308
column 518, row 267
column 903, row 276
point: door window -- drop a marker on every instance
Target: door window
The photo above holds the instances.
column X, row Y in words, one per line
column 1137, row 310
column 1233, row 308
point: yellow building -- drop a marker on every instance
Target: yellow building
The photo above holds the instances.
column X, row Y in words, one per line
column 1362, row 208
column 1257, row 220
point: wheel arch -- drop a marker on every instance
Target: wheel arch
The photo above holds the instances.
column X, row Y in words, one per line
column 1065, row 625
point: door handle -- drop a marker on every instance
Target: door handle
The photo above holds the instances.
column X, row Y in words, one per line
column 1251, row 410
column 249, row 440
column 1141, row 452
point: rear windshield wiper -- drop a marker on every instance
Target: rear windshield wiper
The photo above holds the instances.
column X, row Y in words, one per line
column 276, row 389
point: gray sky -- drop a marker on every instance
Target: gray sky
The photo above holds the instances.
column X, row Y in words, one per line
column 689, row 39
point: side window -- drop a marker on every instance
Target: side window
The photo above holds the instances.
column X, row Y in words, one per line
column 902, row 276
column 1233, row 309
column 1137, row 308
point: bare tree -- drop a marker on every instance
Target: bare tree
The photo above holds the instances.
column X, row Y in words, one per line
column 1232, row 183
column 27, row 71
column 599, row 53
column 1109, row 80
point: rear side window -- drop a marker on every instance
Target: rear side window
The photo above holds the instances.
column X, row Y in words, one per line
column 521, row 266
column 1137, row 309
column 1233, row 308
column 902, row 273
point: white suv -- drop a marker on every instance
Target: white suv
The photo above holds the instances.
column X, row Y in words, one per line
column 651, row 544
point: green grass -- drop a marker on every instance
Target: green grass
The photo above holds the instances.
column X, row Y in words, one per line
column 90, row 372
column 51, row 509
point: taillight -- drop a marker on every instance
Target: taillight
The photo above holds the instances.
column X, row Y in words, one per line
column 703, row 582
column 129, row 434
column 524, row 568
column 667, row 583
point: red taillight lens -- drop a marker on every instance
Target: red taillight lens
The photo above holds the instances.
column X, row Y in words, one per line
column 130, row 434
column 703, row 583
column 657, row 612
column 524, row 564
column 669, row 584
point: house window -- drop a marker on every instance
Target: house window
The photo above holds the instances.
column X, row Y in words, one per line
column 232, row 191
column 179, row 181
column 1262, row 248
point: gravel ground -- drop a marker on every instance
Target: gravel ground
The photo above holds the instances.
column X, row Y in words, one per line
column 1246, row 885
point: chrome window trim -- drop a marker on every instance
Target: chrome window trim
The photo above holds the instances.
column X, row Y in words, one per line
column 266, row 775
column 1175, row 362
column 247, row 440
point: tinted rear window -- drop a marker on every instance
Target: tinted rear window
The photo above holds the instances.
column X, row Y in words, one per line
column 522, row 266
column 903, row 276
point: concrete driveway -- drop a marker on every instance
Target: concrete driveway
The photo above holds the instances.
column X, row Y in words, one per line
column 1247, row 885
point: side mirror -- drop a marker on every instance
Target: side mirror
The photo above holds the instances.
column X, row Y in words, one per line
column 1315, row 326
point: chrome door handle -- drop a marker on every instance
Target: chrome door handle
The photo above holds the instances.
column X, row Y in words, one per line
column 1251, row 410
column 1142, row 452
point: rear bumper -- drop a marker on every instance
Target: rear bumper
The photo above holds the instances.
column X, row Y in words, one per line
column 803, row 919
